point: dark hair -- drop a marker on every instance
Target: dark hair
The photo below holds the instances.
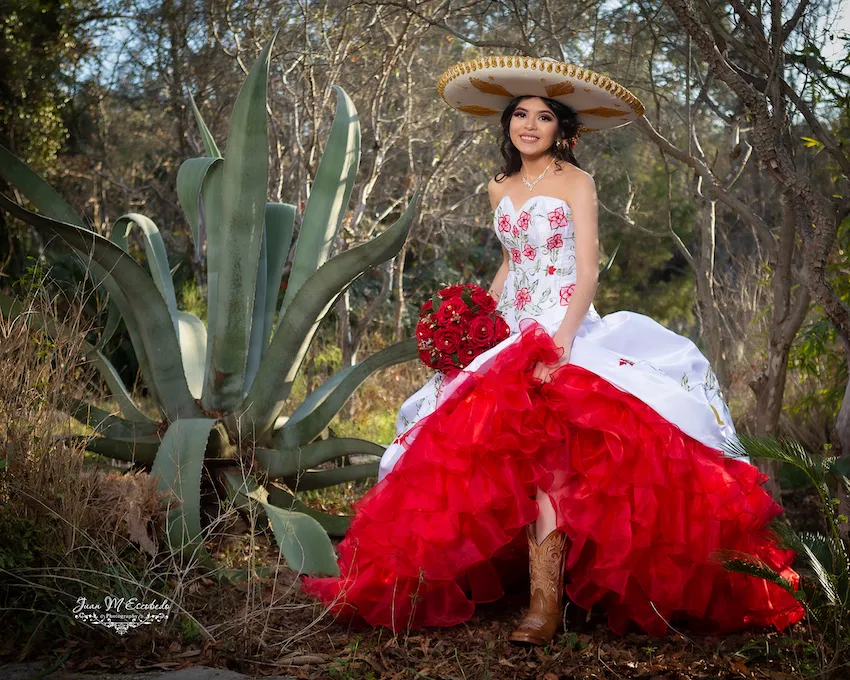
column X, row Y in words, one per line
column 568, row 126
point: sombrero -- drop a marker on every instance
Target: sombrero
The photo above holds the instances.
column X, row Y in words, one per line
column 483, row 87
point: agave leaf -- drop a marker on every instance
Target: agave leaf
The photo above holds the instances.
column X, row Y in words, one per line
column 335, row 525
column 190, row 180
column 308, row 481
column 49, row 203
column 280, row 224
column 287, row 463
column 293, row 336
column 36, row 190
column 11, row 308
column 206, row 136
column 137, row 450
column 603, row 272
column 328, row 198
column 209, row 205
column 258, row 342
column 245, row 488
column 239, row 234
column 309, row 426
column 304, row 543
column 120, row 301
column 108, row 425
column 178, row 470
column 315, row 398
column 144, row 310
column 113, row 320
column 156, row 256
column 193, row 350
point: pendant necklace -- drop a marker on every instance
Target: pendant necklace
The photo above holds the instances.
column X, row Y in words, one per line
column 531, row 185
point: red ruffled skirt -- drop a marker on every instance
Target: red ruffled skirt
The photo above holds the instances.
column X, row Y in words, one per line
column 644, row 506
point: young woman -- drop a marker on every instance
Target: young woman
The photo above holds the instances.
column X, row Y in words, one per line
column 586, row 449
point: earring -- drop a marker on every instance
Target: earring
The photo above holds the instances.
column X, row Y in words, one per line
column 561, row 143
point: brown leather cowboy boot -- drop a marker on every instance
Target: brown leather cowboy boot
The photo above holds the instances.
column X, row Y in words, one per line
column 546, row 562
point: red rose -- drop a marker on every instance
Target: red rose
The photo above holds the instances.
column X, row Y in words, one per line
column 447, row 339
column 451, row 291
column 446, row 312
column 445, row 363
column 484, row 300
column 423, row 328
column 482, row 330
column 502, row 328
column 468, row 354
column 427, row 307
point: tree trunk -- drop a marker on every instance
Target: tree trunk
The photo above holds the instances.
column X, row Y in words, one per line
column 398, row 312
column 711, row 317
column 787, row 316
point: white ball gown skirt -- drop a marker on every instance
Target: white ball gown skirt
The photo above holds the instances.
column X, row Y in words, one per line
column 625, row 439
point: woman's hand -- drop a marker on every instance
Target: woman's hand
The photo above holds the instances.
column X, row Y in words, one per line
column 542, row 370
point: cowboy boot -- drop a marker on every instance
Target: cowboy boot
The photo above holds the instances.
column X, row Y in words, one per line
column 546, row 562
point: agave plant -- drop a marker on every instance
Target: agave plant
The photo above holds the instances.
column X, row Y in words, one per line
column 826, row 562
column 221, row 389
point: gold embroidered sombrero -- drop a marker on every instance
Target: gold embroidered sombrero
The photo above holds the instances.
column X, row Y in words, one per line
column 483, row 87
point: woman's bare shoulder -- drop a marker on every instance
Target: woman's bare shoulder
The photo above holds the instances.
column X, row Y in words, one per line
column 574, row 182
column 497, row 190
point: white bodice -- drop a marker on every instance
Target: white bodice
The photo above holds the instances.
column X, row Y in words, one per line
column 540, row 239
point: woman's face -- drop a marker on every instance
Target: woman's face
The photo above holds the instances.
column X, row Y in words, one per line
column 533, row 126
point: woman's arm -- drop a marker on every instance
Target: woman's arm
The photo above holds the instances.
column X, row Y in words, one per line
column 585, row 215
column 498, row 284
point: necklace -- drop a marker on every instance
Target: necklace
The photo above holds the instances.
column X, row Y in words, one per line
column 531, row 185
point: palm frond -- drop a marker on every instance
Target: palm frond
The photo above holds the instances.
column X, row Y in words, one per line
column 741, row 563
column 787, row 537
column 782, row 450
column 824, row 578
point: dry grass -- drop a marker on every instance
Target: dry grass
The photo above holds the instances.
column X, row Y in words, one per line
column 68, row 529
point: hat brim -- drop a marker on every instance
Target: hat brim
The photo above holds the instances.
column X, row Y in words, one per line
column 483, row 88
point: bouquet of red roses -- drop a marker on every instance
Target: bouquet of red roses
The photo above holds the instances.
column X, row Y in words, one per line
column 456, row 325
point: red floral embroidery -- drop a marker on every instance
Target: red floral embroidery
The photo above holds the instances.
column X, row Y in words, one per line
column 623, row 362
column 523, row 220
column 522, row 298
column 557, row 218
column 515, row 231
column 555, row 241
column 551, row 269
column 529, row 252
column 516, row 256
column 504, row 223
column 566, row 293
